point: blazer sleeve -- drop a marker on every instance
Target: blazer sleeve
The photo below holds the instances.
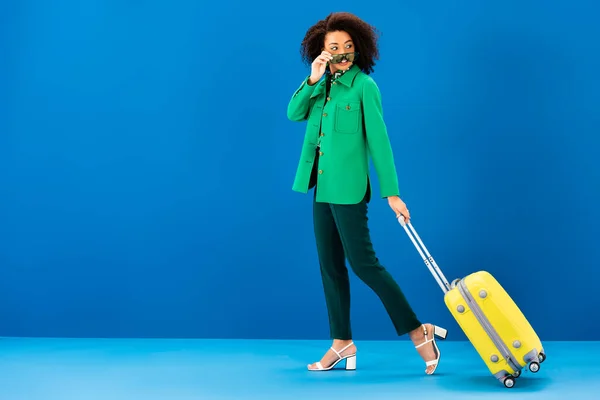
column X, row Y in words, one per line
column 297, row 109
column 378, row 141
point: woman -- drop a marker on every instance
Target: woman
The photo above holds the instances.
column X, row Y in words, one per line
column 344, row 127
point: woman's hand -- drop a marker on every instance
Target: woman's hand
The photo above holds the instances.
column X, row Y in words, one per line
column 399, row 208
column 318, row 67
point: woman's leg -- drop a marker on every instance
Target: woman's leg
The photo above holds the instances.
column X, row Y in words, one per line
column 351, row 221
column 334, row 273
column 336, row 284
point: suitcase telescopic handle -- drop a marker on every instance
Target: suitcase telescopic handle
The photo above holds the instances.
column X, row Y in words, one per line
column 425, row 255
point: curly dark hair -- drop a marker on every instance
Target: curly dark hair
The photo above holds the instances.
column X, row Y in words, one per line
column 363, row 35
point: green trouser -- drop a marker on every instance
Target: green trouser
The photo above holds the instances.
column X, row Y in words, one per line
column 341, row 232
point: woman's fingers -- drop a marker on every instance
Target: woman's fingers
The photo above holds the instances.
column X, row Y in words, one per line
column 324, row 59
column 403, row 211
column 320, row 60
column 325, row 56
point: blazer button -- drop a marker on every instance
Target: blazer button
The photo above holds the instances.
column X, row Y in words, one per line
column 329, row 99
column 324, row 114
column 320, row 153
column 322, row 134
column 321, row 171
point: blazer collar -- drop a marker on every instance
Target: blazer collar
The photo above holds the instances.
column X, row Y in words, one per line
column 347, row 79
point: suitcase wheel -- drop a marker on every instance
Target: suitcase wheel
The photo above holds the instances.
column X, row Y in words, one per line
column 534, row 367
column 542, row 357
column 509, row 381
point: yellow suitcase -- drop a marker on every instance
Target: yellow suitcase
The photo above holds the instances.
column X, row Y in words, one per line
column 489, row 317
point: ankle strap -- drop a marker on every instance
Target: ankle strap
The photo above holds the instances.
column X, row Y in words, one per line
column 338, row 353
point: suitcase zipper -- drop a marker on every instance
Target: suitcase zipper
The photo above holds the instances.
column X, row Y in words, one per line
column 487, row 326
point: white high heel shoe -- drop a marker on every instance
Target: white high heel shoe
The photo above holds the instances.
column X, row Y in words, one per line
column 441, row 333
column 350, row 360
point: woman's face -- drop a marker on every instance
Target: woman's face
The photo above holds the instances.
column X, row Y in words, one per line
column 340, row 45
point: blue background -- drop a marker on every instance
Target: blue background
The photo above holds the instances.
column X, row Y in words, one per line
column 146, row 165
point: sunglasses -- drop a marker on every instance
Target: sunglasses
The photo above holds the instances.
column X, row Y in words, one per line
column 338, row 58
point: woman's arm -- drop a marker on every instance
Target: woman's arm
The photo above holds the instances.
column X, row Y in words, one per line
column 298, row 106
column 378, row 141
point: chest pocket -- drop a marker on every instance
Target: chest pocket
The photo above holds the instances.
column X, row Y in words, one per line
column 348, row 117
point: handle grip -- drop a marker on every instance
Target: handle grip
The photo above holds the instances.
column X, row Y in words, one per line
column 425, row 255
column 402, row 220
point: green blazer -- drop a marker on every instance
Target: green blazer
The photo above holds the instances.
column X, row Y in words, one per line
column 352, row 132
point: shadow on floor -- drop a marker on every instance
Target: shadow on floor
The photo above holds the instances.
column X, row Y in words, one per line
column 486, row 384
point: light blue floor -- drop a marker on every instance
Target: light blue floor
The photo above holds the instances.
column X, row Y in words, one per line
column 82, row 369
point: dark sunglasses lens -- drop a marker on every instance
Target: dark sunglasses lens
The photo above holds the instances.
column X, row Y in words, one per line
column 338, row 58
